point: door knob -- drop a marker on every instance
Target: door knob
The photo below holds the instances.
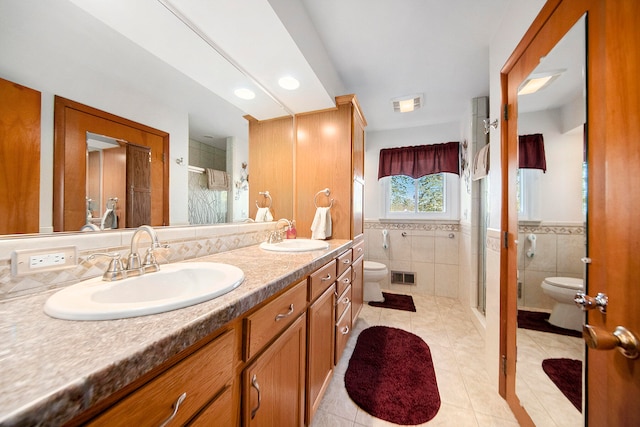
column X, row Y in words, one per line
column 586, row 302
column 621, row 338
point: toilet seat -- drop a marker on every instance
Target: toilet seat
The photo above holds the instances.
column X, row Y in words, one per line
column 565, row 282
column 374, row 266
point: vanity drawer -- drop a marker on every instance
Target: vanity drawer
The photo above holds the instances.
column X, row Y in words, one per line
column 344, row 261
column 343, row 302
column 343, row 332
column 201, row 375
column 343, row 281
column 321, row 279
column 358, row 250
column 270, row 320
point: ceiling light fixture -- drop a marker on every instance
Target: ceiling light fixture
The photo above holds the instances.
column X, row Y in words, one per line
column 289, row 83
column 244, row 93
column 405, row 104
column 538, row 81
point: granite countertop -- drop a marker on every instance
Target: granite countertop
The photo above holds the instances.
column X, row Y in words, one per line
column 53, row 369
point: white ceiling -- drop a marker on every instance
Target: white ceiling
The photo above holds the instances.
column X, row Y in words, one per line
column 377, row 49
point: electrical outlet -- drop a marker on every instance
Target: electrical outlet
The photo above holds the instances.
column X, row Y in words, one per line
column 30, row 261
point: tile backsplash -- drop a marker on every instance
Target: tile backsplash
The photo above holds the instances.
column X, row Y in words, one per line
column 185, row 243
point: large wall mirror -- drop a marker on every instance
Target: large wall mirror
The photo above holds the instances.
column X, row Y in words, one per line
column 60, row 50
column 552, row 233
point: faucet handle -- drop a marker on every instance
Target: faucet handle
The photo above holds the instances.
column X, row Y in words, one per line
column 115, row 270
column 150, row 262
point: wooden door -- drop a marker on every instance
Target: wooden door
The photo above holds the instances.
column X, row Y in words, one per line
column 613, row 158
column 613, row 381
column 273, row 385
column 138, row 186
column 19, row 158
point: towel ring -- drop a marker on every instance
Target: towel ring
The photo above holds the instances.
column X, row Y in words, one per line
column 267, row 196
column 326, row 192
column 112, row 202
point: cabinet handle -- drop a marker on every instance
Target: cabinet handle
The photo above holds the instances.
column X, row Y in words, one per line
column 346, row 280
column 345, row 300
column 176, row 405
column 254, row 384
column 345, row 330
column 346, row 261
column 287, row 314
column 324, row 279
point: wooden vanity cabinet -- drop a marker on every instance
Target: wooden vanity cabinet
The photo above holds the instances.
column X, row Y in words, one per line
column 357, row 278
column 205, row 378
column 273, row 384
column 320, row 336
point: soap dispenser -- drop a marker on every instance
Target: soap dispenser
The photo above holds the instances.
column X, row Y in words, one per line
column 292, row 233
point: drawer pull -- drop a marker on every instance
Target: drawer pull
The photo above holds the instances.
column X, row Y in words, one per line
column 324, row 279
column 345, row 330
column 345, row 300
column 254, row 384
column 346, row 261
column 176, row 405
column 359, row 249
column 287, row 314
column 346, row 280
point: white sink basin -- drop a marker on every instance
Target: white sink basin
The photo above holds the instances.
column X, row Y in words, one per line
column 174, row 286
column 295, row 245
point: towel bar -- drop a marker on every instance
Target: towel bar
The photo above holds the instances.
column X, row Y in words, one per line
column 326, row 192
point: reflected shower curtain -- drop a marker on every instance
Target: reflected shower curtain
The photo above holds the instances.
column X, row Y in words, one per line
column 205, row 206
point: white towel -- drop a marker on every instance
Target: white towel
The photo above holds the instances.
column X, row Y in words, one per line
column 480, row 166
column 321, row 225
column 264, row 215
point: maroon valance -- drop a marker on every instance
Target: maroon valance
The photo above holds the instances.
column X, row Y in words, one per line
column 531, row 152
column 420, row 160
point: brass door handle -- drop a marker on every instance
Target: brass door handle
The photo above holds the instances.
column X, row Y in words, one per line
column 621, row 338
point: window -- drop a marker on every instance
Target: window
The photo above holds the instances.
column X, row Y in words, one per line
column 432, row 196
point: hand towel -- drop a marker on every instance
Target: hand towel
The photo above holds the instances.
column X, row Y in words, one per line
column 480, row 166
column 217, row 180
column 264, row 215
column 321, row 225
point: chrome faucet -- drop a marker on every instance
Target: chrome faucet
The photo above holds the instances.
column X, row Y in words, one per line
column 149, row 264
column 276, row 235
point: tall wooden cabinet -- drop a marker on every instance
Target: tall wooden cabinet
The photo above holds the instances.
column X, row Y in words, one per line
column 330, row 154
column 296, row 157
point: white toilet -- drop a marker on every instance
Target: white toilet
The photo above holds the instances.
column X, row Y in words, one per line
column 374, row 272
column 565, row 313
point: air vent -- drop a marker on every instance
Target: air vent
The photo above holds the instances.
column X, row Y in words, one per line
column 403, row 278
column 406, row 104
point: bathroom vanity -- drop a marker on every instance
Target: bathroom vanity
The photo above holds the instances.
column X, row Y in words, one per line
column 262, row 352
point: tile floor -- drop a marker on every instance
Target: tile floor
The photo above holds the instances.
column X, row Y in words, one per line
column 458, row 354
column 543, row 401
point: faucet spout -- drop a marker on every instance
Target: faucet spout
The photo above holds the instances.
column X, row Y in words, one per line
column 133, row 262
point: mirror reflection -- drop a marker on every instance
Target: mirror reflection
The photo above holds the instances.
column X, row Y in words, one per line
column 45, row 48
column 552, row 234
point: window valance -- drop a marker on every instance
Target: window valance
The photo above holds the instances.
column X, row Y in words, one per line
column 531, row 152
column 420, row 160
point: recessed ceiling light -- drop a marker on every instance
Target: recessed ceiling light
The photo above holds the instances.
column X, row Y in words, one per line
column 244, row 93
column 289, row 83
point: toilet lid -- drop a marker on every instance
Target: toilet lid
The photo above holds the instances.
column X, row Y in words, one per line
column 372, row 265
column 565, row 282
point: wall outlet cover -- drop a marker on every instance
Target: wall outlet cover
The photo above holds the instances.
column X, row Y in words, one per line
column 32, row 261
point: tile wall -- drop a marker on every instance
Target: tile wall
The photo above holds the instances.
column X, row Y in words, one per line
column 428, row 248
column 559, row 248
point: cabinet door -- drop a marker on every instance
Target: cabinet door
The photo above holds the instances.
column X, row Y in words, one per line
column 357, row 286
column 273, row 385
column 319, row 349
